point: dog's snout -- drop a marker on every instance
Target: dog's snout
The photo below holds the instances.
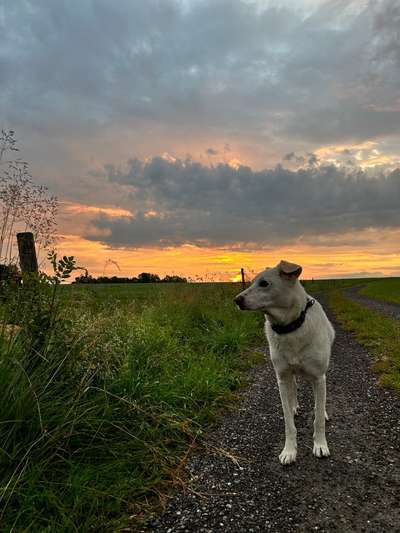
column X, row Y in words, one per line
column 239, row 300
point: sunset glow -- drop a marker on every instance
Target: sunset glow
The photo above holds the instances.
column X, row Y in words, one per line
column 207, row 264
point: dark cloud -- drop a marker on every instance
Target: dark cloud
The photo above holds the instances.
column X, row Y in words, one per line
column 293, row 157
column 386, row 25
column 229, row 66
column 182, row 201
column 310, row 158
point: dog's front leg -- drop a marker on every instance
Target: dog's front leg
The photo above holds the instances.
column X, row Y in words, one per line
column 320, row 445
column 295, row 402
column 289, row 452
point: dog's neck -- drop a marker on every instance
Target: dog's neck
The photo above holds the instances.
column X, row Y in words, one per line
column 286, row 315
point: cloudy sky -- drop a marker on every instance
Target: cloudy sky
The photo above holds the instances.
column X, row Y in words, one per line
column 200, row 136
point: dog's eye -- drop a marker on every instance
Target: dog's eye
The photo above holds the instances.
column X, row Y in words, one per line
column 263, row 283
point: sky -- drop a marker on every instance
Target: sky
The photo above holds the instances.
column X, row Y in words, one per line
column 197, row 137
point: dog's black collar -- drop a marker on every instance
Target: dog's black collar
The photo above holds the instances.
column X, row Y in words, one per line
column 288, row 328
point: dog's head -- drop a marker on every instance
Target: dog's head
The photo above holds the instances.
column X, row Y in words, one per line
column 271, row 289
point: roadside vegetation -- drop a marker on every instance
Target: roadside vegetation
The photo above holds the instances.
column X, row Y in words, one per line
column 104, row 391
column 380, row 335
column 386, row 290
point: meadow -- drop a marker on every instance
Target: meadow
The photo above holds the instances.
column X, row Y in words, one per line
column 107, row 388
column 104, row 391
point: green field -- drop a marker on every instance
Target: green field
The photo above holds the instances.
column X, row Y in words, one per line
column 101, row 402
column 105, row 388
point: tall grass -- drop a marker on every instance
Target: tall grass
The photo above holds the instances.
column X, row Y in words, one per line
column 101, row 397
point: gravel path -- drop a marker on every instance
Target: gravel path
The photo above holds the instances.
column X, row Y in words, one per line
column 356, row 489
column 391, row 310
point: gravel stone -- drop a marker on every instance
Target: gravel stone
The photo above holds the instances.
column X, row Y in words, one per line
column 357, row 489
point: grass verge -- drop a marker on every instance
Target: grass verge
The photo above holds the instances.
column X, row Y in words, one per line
column 101, row 404
column 378, row 334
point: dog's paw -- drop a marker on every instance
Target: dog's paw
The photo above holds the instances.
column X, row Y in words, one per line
column 288, row 455
column 321, row 449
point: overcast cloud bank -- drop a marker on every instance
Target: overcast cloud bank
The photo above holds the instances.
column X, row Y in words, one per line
column 183, row 201
column 259, row 69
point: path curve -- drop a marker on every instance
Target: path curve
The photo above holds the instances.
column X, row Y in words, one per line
column 355, row 490
column 389, row 309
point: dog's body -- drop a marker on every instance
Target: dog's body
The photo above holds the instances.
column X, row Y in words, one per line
column 297, row 347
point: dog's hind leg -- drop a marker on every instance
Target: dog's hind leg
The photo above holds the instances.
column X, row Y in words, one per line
column 289, row 452
column 320, row 445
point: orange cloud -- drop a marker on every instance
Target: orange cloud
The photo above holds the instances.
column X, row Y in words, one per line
column 367, row 154
column 83, row 209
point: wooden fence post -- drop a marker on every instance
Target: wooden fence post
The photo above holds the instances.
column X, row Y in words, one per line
column 243, row 280
column 27, row 253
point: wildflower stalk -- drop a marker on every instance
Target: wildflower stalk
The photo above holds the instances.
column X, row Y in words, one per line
column 24, row 205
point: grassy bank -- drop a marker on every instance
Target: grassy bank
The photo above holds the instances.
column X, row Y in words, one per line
column 378, row 334
column 100, row 404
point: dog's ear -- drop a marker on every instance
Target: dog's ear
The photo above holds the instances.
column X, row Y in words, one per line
column 289, row 270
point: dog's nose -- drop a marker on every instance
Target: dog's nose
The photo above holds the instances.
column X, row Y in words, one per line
column 239, row 300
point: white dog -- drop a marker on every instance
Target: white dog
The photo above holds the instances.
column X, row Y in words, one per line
column 300, row 338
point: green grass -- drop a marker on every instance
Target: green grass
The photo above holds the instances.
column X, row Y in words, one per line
column 319, row 285
column 100, row 406
column 387, row 290
column 378, row 334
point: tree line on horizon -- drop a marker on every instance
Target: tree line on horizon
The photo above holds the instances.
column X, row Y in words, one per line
column 144, row 277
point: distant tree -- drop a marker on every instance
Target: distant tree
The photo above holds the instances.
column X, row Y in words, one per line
column 147, row 277
column 85, row 278
column 174, row 279
column 144, row 277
